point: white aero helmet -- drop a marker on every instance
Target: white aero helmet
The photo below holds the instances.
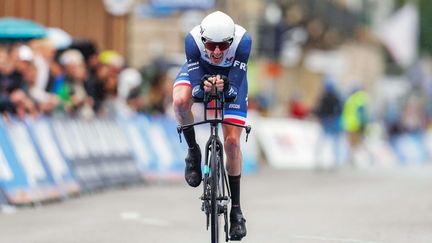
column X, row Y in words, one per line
column 217, row 27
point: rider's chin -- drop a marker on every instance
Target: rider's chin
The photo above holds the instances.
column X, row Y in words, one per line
column 217, row 60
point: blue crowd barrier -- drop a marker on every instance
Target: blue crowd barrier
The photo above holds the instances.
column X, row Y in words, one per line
column 46, row 158
column 12, row 176
column 118, row 164
column 136, row 128
column 100, row 155
column 83, row 164
column 168, row 147
column 3, row 198
column 32, row 181
column 250, row 163
column 56, row 166
column 410, row 148
column 157, row 155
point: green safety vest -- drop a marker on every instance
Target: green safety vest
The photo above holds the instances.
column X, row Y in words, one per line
column 353, row 114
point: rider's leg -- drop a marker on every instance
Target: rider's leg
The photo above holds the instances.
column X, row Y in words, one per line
column 182, row 108
column 234, row 160
column 234, row 166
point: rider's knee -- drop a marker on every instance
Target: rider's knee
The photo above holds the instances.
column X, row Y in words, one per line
column 181, row 103
column 232, row 145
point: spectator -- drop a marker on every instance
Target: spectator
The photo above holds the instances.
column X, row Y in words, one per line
column 328, row 112
column 297, row 108
column 14, row 89
column 355, row 120
column 129, row 99
column 109, row 68
column 44, row 52
column 45, row 102
column 90, row 53
column 74, row 92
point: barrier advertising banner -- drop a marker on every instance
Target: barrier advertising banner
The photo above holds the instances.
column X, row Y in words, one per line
column 50, row 154
column 288, row 143
column 12, row 176
column 45, row 158
column 72, row 143
column 38, row 185
column 135, row 129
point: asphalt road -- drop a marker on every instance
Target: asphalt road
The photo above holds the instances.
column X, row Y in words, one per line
column 348, row 206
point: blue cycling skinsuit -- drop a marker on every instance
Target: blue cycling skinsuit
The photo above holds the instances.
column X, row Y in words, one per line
column 234, row 66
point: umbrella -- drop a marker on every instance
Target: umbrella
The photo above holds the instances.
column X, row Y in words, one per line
column 60, row 38
column 20, row 29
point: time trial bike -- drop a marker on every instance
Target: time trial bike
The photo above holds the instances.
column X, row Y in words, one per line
column 216, row 193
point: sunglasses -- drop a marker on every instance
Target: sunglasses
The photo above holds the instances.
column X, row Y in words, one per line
column 209, row 45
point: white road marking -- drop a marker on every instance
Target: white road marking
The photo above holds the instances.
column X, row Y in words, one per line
column 330, row 239
column 6, row 209
column 130, row 216
column 135, row 216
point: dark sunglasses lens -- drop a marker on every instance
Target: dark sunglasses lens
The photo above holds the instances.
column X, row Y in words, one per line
column 212, row 45
column 224, row 45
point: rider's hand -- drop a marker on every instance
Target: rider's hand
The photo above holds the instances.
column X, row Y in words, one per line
column 219, row 83
column 208, row 84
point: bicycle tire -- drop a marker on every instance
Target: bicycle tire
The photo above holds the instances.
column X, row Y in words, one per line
column 214, row 214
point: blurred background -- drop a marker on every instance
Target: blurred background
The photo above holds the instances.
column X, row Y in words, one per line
column 86, row 89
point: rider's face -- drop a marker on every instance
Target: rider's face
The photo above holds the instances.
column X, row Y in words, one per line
column 216, row 50
column 216, row 56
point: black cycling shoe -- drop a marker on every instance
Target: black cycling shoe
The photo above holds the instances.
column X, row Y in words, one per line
column 193, row 174
column 237, row 227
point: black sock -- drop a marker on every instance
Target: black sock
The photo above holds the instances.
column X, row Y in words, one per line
column 189, row 135
column 234, row 184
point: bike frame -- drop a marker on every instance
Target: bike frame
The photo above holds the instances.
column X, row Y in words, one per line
column 216, row 193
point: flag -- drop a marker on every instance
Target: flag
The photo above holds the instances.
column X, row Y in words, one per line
column 399, row 34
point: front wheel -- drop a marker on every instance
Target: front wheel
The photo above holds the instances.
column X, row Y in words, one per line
column 214, row 214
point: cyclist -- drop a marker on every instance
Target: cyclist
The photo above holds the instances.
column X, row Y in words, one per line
column 217, row 52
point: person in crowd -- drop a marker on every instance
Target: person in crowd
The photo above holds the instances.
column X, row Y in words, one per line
column 110, row 65
column 355, row 119
column 128, row 91
column 221, row 48
column 45, row 102
column 74, row 91
column 157, row 87
column 5, row 103
column 44, row 53
column 297, row 107
column 17, row 60
column 328, row 111
column 89, row 51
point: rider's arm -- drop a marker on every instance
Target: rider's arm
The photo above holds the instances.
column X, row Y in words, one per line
column 195, row 71
column 238, row 70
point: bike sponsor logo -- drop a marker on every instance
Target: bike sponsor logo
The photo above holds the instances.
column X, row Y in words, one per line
column 192, row 68
column 193, row 64
column 231, row 91
column 234, row 106
column 196, row 89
